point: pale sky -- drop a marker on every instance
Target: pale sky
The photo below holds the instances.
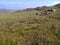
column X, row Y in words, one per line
column 21, row 4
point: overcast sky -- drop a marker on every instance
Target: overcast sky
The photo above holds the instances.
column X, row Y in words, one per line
column 21, row 4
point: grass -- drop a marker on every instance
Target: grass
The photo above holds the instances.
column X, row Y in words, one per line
column 26, row 28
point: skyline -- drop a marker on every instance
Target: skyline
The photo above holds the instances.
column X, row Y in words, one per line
column 22, row 4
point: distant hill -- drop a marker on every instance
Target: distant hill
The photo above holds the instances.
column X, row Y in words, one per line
column 57, row 5
column 6, row 11
column 42, row 8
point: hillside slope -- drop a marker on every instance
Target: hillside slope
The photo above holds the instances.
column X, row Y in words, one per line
column 27, row 28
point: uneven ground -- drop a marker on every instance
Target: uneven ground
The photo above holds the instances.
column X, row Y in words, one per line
column 27, row 28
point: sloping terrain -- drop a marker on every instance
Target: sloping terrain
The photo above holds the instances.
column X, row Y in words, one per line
column 27, row 28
